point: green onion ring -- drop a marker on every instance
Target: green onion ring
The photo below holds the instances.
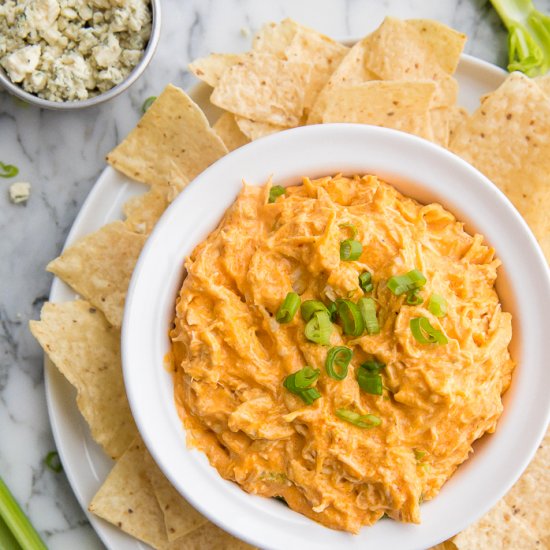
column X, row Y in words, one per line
column 299, row 383
column 309, row 307
column 275, row 192
column 350, row 250
column 367, row 307
column 319, row 328
column 413, row 298
column 424, row 333
column 338, row 356
column 53, row 462
column 437, row 305
column 8, row 170
column 147, row 103
column 369, row 382
column 361, row 421
column 306, row 377
column 399, row 284
column 288, row 308
column 350, row 317
column 365, row 281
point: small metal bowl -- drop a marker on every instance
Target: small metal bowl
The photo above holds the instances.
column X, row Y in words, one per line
column 137, row 71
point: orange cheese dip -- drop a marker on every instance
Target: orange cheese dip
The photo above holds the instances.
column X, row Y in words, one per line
column 232, row 356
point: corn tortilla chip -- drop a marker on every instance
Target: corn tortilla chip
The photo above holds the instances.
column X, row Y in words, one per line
column 127, row 500
column 210, row 69
column 497, row 529
column 323, row 55
column 171, row 144
column 508, row 139
column 274, row 38
column 208, row 537
column 255, row 130
column 439, row 121
column 351, row 70
column 99, row 267
column 529, row 498
column 457, row 115
column 179, row 516
column 265, row 88
column 399, row 105
column 86, row 350
column 544, row 83
column 229, row 132
column 143, row 211
column 397, row 51
column 446, row 43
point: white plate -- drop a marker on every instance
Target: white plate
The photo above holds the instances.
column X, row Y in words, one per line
column 84, row 462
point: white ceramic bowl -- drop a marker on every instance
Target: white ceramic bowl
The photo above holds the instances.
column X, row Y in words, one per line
column 418, row 169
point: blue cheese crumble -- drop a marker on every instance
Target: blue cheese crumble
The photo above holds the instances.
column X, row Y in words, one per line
column 70, row 50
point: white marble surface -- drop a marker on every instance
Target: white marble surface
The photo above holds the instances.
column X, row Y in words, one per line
column 62, row 154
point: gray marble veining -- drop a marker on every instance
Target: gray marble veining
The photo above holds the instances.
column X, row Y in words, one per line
column 62, row 154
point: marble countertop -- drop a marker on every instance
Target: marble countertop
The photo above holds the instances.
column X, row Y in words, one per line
column 61, row 155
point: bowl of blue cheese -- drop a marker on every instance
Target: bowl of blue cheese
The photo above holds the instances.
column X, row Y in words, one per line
column 70, row 54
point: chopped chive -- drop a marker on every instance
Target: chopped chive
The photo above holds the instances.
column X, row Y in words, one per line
column 361, row 421
column 8, row 170
column 147, row 103
column 288, row 308
column 275, row 192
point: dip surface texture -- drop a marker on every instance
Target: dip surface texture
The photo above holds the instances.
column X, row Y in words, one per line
column 231, row 356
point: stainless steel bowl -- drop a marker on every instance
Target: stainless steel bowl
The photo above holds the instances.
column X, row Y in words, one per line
column 137, row 71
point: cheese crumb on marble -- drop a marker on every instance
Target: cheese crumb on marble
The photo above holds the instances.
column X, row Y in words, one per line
column 20, row 192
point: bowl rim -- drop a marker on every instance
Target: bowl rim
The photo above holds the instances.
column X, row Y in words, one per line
column 135, row 74
column 138, row 346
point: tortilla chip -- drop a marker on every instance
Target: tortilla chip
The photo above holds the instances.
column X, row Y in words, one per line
column 265, row 88
column 99, row 267
column 439, row 121
column 322, row 54
column 210, row 69
column 508, row 139
column 397, row 51
column 544, row 83
column 497, row 529
column 171, row 144
column 446, row 43
column 529, row 498
column 143, row 211
column 274, row 38
column 255, row 130
column 209, row 537
column 229, row 132
column 180, row 518
column 86, row 350
column 127, row 500
column 351, row 70
column 457, row 116
column 400, row 105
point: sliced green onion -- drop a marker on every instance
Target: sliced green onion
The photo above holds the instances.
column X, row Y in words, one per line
column 399, row 284
column 275, row 192
column 17, row 522
column 8, row 170
column 309, row 307
column 413, row 298
column 437, row 305
column 147, row 103
column 418, row 454
column 306, row 377
column 350, row 317
column 424, row 333
column 373, row 365
column 332, row 310
column 300, row 382
column 319, row 328
column 365, row 281
column 370, row 382
column 53, row 462
column 338, row 356
column 359, row 420
column 351, row 227
column 367, row 307
column 350, row 250
column 310, row 395
column 288, row 308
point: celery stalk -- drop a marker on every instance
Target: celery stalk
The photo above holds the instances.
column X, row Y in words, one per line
column 7, row 540
column 17, row 522
column 528, row 36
